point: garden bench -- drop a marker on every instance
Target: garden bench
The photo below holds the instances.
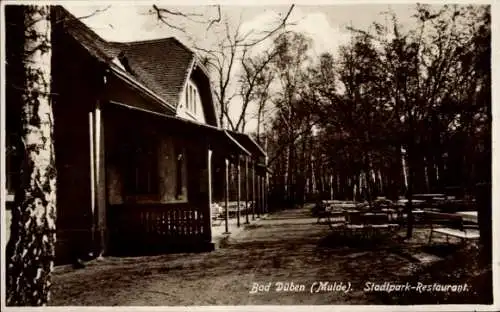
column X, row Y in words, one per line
column 450, row 224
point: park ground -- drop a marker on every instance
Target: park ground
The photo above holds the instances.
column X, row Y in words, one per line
column 288, row 246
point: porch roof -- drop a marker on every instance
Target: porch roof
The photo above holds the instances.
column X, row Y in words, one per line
column 249, row 143
column 215, row 137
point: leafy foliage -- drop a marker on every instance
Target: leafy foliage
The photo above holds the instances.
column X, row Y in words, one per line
column 421, row 95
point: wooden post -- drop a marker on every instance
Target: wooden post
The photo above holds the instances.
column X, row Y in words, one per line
column 258, row 202
column 92, row 180
column 209, row 171
column 263, row 194
column 266, row 181
column 100, row 179
column 238, row 176
column 246, row 190
column 266, row 193
column 254, row 202
column 260, row 197
column 226, row 198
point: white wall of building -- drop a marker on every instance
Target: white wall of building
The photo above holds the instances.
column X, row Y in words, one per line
column 190, row 106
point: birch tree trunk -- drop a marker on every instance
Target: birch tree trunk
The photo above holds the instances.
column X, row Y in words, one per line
column 31, row 248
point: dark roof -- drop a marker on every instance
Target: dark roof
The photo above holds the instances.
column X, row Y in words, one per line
column 246, row 141
column 162, row 65
column 95, row 45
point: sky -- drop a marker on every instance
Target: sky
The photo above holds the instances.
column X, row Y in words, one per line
column 324, row 24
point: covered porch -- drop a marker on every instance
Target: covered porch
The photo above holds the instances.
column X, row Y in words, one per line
column 162, row 174
column 240, row 185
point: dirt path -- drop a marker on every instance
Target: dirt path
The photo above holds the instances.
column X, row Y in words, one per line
column 285, row 248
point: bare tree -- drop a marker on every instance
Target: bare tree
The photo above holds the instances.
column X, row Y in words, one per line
column 255, row 81
column 223, row 56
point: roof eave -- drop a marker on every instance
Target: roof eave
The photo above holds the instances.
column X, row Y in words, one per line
column 257, row 145
column 197, row 63
column 137, row 85
column 252, row 141
column 237, row 143
column 186, row 79
column 200, row 65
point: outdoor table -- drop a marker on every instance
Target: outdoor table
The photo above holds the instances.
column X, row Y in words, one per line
column 428, row 198
column 402, row 202
column 374, row 214
column 470, row 216
column 336, row 213
column 346, row 205
column 439, row 198
column 417, row 213
column 428, row 195
column 334, row 201
column 391, row 210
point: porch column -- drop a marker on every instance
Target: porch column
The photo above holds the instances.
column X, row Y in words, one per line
column 263, row 194
column 92, row 179
column 259, row 191
column 100, row 187
column 254, row 202
column 246, row 190
column 266, row 193
column 266, row 180
column 226, row 197
column 209, row 173
column 238, row 174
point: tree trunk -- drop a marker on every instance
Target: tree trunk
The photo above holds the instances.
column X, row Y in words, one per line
column 410, row 190
column 31, row 248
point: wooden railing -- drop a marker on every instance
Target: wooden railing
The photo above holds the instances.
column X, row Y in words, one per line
column 156, row 226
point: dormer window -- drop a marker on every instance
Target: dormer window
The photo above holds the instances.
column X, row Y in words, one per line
column 191, row 98
column 122, row 61
column 194, row 101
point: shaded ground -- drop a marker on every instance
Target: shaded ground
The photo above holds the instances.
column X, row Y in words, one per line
column 287, row 247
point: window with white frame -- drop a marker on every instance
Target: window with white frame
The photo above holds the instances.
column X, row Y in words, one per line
column 194, row 101
column 191, row 98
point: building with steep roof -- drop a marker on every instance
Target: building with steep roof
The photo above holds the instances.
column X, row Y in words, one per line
column 138, row 145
